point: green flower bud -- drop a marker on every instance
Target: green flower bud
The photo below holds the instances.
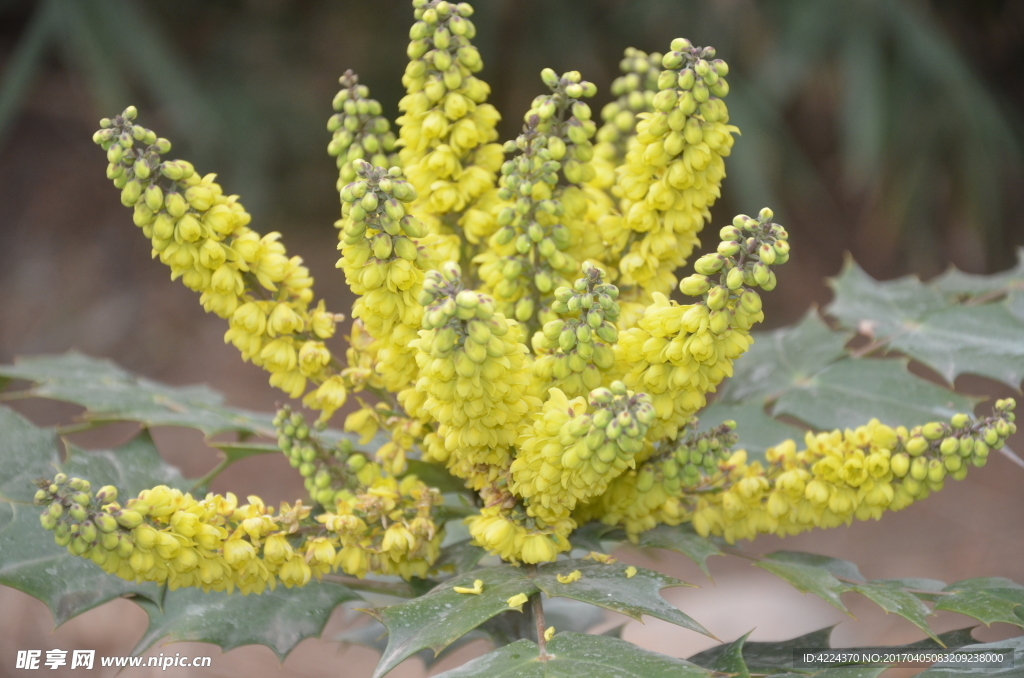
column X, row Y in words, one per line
column 933, row 430
column 734, row 279
column 694, row 285
column 750, row 300
column 709, row 264
column 405, row 248
column 949, row 446
column 718, row 297
column 916, row 446
column 761, row 273
column 899, row 464
column 382, row 245
column 919, row 468
column 937, row 470
column 981, row 450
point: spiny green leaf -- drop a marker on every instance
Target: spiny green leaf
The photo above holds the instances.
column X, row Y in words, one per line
column 957, row 284
column 1014, row 645
column 26, row 453
column 851, row 392
column 32, row 563
column 433, row 475
column 131, row 468
column 681, row 539
column 884, row 308
column 110, row 393
column 892, row 598
column 374, row 636
column 843, row 569
column 767, row 657
column 459, row 557
column 576, row 655
column 917, row 320
column 235, row 451
column 919, row 584
column 986, row 340
column 807, row 577
column 588, row 537
column 772, row 657
column 566, row 614
column 440, row 617
column 987, row 599
column 730, row 660
column 279, row 619
column 781, row 359
column 757, row 431
column 607, row 586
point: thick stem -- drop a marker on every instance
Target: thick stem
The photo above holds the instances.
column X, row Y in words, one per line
column 538, row 619
column 537, row 606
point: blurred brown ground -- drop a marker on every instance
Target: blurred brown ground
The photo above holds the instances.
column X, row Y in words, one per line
column 76, row 274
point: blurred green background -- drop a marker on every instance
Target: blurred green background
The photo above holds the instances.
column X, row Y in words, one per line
column 890, row 129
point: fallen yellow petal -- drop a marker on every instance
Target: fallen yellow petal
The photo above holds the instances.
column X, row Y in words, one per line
column 603, row 558
column 478, row 588
column 630, row 572
column 549, row 632
column 517, row 601
column 569, row 578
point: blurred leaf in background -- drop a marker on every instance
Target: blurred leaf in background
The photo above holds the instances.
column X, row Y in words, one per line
column 885, row 127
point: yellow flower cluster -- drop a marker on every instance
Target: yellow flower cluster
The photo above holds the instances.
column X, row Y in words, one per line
column 473, row 377
column 446, row 128
column 384, row 264
column 634, row 92
column 515, row 537
column 388, row 528
column 574, row 352
column 563, row 391
column 167, row 536
column 569, row 455
column 543, row 225
column 203, row 236
column 359, row 131
column 842, row 475
column 673, row 169
column 655, row 492
column 677, row 354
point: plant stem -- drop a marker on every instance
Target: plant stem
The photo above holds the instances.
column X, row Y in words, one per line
column 537, row 605
column 205, row 480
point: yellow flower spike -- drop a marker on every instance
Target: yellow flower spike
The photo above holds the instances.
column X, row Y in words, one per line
column 517, row 601
column 203, row 236
column 630, row 572
column 575, row 575
column 549, row 633
column 477, row 589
